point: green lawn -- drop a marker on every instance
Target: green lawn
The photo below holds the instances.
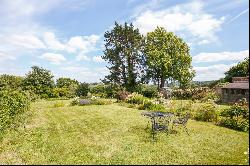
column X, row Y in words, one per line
column 112, row 134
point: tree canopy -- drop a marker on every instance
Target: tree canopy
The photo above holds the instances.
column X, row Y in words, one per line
column 123, row 51
column 65, row 82
column 40, row 81
column 167, row 58
column 240, row 70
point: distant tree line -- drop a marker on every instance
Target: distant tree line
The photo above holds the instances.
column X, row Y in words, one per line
column 40, row 82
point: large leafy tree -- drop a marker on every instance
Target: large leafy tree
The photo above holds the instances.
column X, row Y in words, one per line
column 65, row 82
column 40, row 81
column 240, row 70
column 66, row 87
column 167, row 58
column 123, row 51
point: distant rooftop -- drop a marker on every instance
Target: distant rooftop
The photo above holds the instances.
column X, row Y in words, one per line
column 237, row 85
column 240, row 79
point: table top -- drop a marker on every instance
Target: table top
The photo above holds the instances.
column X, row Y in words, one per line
column 157, row 114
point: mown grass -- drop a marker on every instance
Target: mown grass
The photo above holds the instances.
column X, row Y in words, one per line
column 112, row 134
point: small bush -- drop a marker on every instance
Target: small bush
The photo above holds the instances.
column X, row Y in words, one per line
column 236, row 123
column 144, row 103
column 236, row 117
column 201, row 93
column 122, row 95
column 182, row 94
column 237, row 110
column 160, row 98
column 206, row 113
column 210, row 96
column 75, row 101
column 136, row 98
column 12, row 104
column 149, row 91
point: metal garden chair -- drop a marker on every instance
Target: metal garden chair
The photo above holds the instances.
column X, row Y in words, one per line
column 159, row 120
column 181, row 121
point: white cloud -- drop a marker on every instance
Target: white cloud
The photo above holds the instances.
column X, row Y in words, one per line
column 5, row 56
column 77, row 43
column 53, row 58
column 52, row 42
column 13, row 46
column 29, row 36
column 188, row 18
column 82, row 57
column 27, row 8
column 151, row 4
column 212, row 72
column 220, row 56
column 24, row 41
column 74, row 44
column 98, row 59
column 204, row 42
column 83, row 43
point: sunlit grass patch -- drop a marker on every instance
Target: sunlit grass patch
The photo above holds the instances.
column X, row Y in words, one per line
column 114, row 134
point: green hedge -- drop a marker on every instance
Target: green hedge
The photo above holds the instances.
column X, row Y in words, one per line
column 236, row 117
column 144, row 103
column 202, row 93
column 12, row 104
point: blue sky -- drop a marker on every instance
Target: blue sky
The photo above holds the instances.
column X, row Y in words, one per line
column 66, row 36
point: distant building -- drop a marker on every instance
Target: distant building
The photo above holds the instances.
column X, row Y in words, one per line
column 236, row 90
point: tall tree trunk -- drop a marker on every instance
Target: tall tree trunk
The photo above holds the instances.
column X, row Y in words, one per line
column 158, row 84
column 162, row 82
column 124, row 74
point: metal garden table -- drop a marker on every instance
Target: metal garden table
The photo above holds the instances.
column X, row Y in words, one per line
column 160, row 121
